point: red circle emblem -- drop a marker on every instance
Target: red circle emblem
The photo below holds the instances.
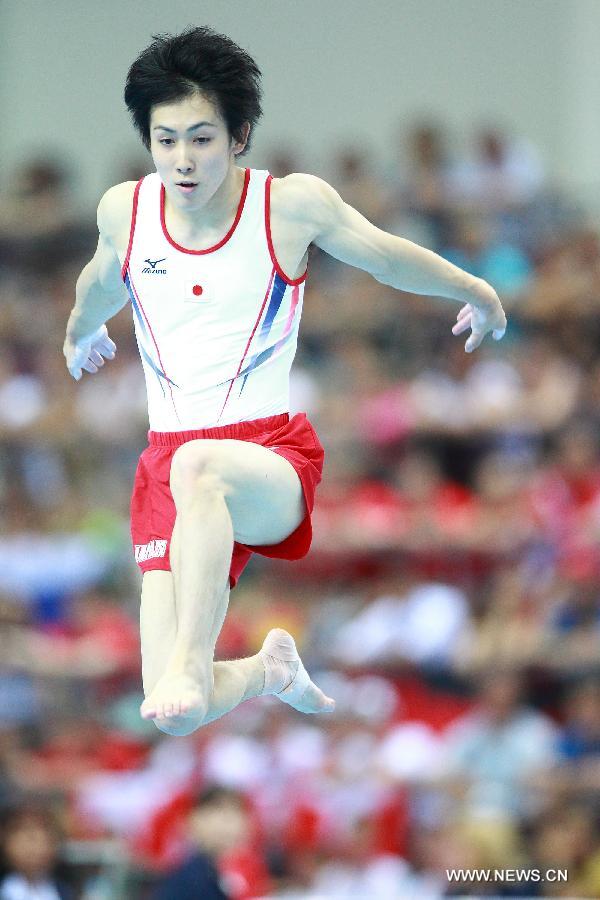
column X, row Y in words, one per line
column 197, row 290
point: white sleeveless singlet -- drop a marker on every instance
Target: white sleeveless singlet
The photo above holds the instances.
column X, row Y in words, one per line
column 217, row 329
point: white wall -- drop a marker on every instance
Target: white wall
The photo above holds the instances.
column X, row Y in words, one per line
column 334, row 70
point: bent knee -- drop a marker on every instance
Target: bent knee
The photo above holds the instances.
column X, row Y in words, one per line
column 197, row 467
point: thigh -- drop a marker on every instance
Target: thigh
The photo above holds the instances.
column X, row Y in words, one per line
column 262, row 489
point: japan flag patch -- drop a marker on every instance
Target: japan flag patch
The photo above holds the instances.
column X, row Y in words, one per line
column 197, row 292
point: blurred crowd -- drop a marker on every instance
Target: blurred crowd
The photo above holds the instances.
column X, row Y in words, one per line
column 450, row 601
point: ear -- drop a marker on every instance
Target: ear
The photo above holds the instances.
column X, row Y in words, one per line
column 238, row 146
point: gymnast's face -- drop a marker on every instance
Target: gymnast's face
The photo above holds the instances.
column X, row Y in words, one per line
column 192, row 149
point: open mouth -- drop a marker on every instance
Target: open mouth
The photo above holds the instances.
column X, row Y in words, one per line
column 186, row 186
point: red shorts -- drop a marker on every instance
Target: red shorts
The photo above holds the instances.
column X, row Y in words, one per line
column 153, row 508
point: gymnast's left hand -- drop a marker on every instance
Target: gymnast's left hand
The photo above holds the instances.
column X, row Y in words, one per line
column 482, row 313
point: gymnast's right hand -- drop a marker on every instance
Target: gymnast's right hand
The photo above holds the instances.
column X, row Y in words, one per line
column 89, row 352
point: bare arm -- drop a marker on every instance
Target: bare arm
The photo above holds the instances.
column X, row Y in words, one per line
column 99, row 292
column 345, row 234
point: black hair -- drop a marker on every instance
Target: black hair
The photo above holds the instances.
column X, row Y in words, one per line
column 198, row 59
column 215, row 794
column 23, row 812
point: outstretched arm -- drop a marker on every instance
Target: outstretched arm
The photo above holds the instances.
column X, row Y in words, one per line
column 100, row 294
column 345, row 234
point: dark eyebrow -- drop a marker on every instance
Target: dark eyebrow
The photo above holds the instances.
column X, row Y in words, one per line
column 191, row 128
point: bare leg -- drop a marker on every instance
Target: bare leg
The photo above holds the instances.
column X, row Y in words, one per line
column 233, row 681
column 223, row 489
column 201, row 580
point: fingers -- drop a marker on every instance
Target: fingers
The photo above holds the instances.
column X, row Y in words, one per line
column 96, row 358
column 92, row 361
column 473, row 341
column 88, row 364
column 463, row 319
column 107, row 347
column 468, row 318
column 90, row 357
column 462, row 324
column 478, row 334
column 76, row 364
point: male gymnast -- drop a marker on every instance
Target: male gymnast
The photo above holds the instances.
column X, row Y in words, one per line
column 213, row 257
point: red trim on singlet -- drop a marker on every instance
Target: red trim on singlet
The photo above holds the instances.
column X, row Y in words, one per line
column 278, row 268
column 258, row 318
column 223, row 240
column 136, row 194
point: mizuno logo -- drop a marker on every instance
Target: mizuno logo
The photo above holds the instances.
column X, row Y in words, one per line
column 151, row 267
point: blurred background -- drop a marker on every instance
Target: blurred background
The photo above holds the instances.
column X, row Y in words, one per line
column 451, row 599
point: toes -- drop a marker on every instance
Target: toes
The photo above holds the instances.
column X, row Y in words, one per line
column 323, row 702
column 315, row 701
column 172, row 704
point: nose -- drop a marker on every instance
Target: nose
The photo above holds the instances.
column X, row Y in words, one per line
column 184, row 163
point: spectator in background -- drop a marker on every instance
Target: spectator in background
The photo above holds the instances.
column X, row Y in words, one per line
column 283, row 161
column 506, row 627
column 419, row 622
column 492, row 752
column 29, row 849
column 572, row 629
column 567, row 838
column 505, row 174
column 198, row 876
column 358, row 185
column 37, row 202
column 38, row 229
column 504, row 524
column 476, row 245
column 477, row 844
column 572, row 478
column 567, row 280
column 579, row 740
column 218, row 828
column 419, row 209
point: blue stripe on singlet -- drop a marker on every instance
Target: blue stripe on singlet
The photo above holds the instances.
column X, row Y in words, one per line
column 140, row 319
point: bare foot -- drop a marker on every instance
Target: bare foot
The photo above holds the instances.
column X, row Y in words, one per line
column 178, row 726
column 175, row 695
column 286, row 677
